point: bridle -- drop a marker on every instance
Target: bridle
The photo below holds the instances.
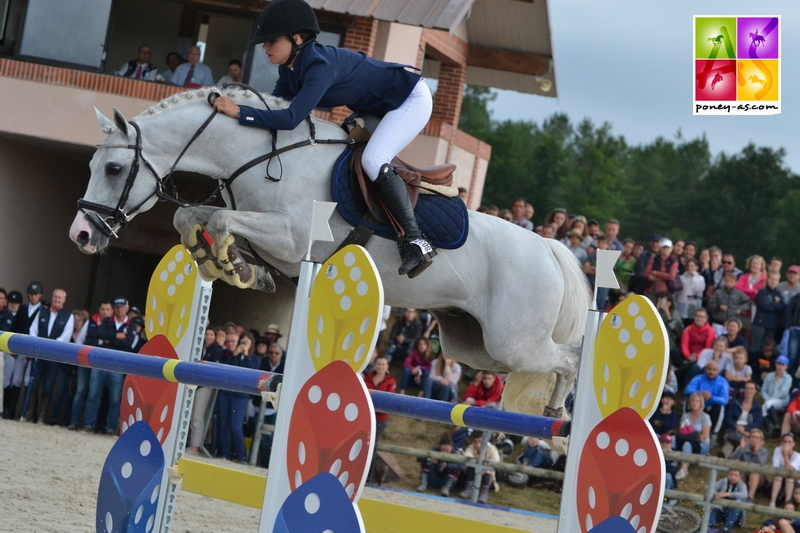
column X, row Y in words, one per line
column 118, row 217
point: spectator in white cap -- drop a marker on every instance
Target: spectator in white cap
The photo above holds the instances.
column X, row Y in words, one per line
column 661, row 269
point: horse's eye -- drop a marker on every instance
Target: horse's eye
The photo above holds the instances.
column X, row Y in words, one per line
column 113, row 169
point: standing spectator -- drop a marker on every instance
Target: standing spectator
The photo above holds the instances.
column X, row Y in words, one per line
column 775, row 264
column 116, row 333
column 750, row 284
column 580, row 224
column 741, row 417
column 140, row 68
column 173, row 60
column 3, row 300
column 752, row 451
column 711, row 270
column 506, row 215
column 474, row 451
column 273, row 362
column 729, row 266
column 689, row 253
column 626, row 265
column 770, row 306
column 61, row 391
column 440, row 474
column 83, row 374
column 212, row 352
column 785, row 457
column 697, row 336
column 714, row 390
column 677, row 252
column 694, row 435
column 442, row 382
column 193, row 74
column 612, row 231
column 233, row 405
column 379, row 379
column 404, row 334
column 638, row 281
column 690, row 297
column 234, row 74
column 557, row 218
column 665, row 419
column 57, row 324
column 518, row 211
column 727, row 302
column 666, row 308
column 660, row 271
column 24, row 366
column 10, row 361
column 417, row 365
column 590, row 269
column 732, row 488
column 775, row 393
column 791, row 336
column 790, row 287
column 547, row 232
column 485, row 393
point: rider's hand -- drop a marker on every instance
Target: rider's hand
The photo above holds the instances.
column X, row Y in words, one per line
column 223, row 104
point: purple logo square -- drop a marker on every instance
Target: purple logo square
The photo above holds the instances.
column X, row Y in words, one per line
column 757, row 37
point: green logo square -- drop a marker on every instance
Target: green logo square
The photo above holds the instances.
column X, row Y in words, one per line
column 715, row 37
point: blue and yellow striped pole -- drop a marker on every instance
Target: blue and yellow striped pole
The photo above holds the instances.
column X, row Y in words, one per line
column 251, row 381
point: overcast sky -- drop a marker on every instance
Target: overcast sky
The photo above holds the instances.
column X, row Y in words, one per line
column 630, row 63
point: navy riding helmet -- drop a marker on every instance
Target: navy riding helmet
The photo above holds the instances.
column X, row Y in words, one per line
column 286, row 17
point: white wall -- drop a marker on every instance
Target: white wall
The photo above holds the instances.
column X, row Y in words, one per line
column 398, row 43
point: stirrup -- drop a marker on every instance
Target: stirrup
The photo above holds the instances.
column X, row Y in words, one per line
column 417, row 255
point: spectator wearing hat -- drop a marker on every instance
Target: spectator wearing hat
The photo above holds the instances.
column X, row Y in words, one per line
column 775, row 391
column 660, row 271
column 751, row 450
column 116, row 333
column 139, row 333
column 56, row 324
column 771, row 307
column 140, row 68
column 670, row 467
column 27, row 314
column 10, row 388
column 784, row 456
column 273, row 333
column 665, row 419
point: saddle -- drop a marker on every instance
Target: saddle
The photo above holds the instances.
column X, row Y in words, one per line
column 436, row 180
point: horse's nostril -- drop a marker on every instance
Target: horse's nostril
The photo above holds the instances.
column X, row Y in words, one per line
column 83, row 238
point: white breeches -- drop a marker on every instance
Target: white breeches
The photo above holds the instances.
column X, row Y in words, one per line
column 396, row 129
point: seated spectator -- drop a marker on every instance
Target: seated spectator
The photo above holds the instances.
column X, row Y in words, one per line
column 690, row 297
column 193, row 74
column 732, row 488
column 790, row 342
column 140, row 68
column 665, row 419
column 671, row 382
column 575, row 237
column 694, row 435
column 727, row 302
column 733, row 327
column 718, row 352
column 775, row 393
column 442, row 383
column 740, row 372
column 771, row 307
column 665, row 304
column 485, row 393
column 661, row 269
column 234, row 74
column 741, row 416
column 714, row 389
column 670, row 466
column 763, row 361
column 403, row 335
column 417, row 365
column 784, row 525
column 233, row 405
column 380, row 379
column 173, row 60
column 538, row 454
column 791, row 420
column 784, row 456
column 440, row 474
column 696, row 337
column 474, row 451
column 751, row 450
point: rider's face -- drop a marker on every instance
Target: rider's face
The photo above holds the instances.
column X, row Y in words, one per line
column 278, row 50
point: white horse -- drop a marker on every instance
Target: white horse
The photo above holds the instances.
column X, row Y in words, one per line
column 507, row 300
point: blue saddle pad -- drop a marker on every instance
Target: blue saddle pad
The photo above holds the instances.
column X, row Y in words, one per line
column 444, row 221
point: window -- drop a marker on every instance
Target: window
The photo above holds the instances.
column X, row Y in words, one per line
column 4, row 7
column 72, row 33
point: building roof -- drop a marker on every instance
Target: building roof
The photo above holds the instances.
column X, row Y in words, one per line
column 438, row 14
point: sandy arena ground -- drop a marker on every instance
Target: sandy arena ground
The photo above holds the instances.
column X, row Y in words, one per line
column 49, row 478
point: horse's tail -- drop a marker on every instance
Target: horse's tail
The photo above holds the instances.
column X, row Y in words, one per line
column 572, row 314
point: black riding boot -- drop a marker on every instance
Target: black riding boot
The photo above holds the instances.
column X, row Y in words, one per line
column 415, row 251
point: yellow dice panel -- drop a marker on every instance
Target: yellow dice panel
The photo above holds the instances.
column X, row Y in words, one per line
column 631, row 358
column 345, row 309
column 169, row 296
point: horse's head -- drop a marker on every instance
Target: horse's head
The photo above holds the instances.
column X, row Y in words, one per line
column 122, row 184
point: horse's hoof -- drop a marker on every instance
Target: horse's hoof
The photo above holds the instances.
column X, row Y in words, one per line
column 552, row 412
column 264, row 281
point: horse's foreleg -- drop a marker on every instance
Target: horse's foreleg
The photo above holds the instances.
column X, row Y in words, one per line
column 190, row 223
column 264, row 230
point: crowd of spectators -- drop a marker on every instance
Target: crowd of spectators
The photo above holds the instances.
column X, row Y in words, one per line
column 186, row 72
